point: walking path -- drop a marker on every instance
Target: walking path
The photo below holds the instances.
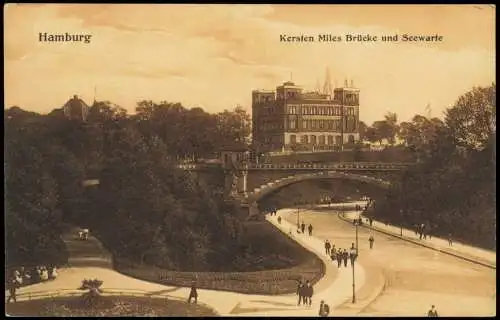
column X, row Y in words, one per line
column 334, row 290
column 473, row 254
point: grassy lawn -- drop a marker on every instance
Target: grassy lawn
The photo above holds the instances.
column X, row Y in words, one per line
column 262, row 277
column 109, row 306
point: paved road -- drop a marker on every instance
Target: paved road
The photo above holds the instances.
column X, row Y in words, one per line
column 487, row 257
column 414, row 277
column 90, row 260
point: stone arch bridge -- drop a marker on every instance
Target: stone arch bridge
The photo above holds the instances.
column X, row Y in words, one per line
column 250, row 183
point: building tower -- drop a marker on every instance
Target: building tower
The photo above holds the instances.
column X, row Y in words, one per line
column 348, row 99
column 76, row 109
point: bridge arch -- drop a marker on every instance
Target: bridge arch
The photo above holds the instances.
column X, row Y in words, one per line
column 259, row 193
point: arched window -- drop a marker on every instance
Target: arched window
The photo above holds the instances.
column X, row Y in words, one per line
column 338, row 140
column 313, row 139
column 321, row 139
column 330, row 139
column 304, row 139
column 293, row 139
column 350, row 139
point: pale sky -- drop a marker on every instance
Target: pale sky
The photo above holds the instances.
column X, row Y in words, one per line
column 213, row 56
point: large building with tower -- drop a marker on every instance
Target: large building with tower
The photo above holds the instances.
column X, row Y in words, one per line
column 290, row 119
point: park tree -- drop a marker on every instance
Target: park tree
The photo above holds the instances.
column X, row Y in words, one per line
column 362, row 131
column 472, row 120
column 102, row 111
column 371, row 135
column 455, row 173
column 234, row 126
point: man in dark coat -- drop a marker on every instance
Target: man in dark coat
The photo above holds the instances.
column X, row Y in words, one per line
column 193, row 293
column 339, row 257
column 310, row 228
column 324, row 309
column 345, row 256
column 328, row 246
column 308, row 293
column 12, row 286
column 300, row 293
column 303, row 227
column 371, row 240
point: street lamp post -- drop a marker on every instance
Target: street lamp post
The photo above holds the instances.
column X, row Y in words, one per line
column 354, row 256
column 357, row 223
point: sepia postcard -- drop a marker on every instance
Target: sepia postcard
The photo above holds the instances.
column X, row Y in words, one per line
column 226, row 160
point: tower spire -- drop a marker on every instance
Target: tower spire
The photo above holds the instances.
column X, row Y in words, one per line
column 428, row 110
column 345, row 83
column 327, row 87
column 318, row 86
column 352, row 83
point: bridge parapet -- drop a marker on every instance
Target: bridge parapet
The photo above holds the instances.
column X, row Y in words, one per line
column 334, row 166
column 395, row 166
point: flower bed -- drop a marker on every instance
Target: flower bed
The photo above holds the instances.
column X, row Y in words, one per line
column 109, row 306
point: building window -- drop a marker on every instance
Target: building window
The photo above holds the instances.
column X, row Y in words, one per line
column 330, row 139
column 304, row 124
column 321, row 139
column 314, row 124
column 321, row 124
column 313, row 139
column 304, row 140
column 292, row 124
column 293, row 139
column 350, row 139
column 338, row 140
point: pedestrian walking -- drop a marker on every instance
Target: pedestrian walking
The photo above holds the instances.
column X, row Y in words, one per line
column 450, row 240
column 371, row 240
column 432, row 312
column 328, row 246
column 193, row 294
column 324, row 309
column 339, row 257
column 352, row 256
column 303, row 227
column 13, row 284
column 308, row 293
column 333, row 255
column 345, row 256
column 300, row 293
column 279, row 220
column 310, row 228
column 371, row 222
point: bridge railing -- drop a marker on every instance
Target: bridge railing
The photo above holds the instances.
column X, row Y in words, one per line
column 341, row 165
column 337, row 165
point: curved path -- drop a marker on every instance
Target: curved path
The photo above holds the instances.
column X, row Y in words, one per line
column 405, row 278
column 334, row 290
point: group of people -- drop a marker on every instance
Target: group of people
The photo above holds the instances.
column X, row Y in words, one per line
column 302, row 228
column 83, row 234
column 22, row 277
column 341, row 255
column 305, row 292
column 423, row 230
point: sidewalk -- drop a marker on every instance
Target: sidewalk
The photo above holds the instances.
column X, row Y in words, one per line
column 335, row 287
column 472, row 254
